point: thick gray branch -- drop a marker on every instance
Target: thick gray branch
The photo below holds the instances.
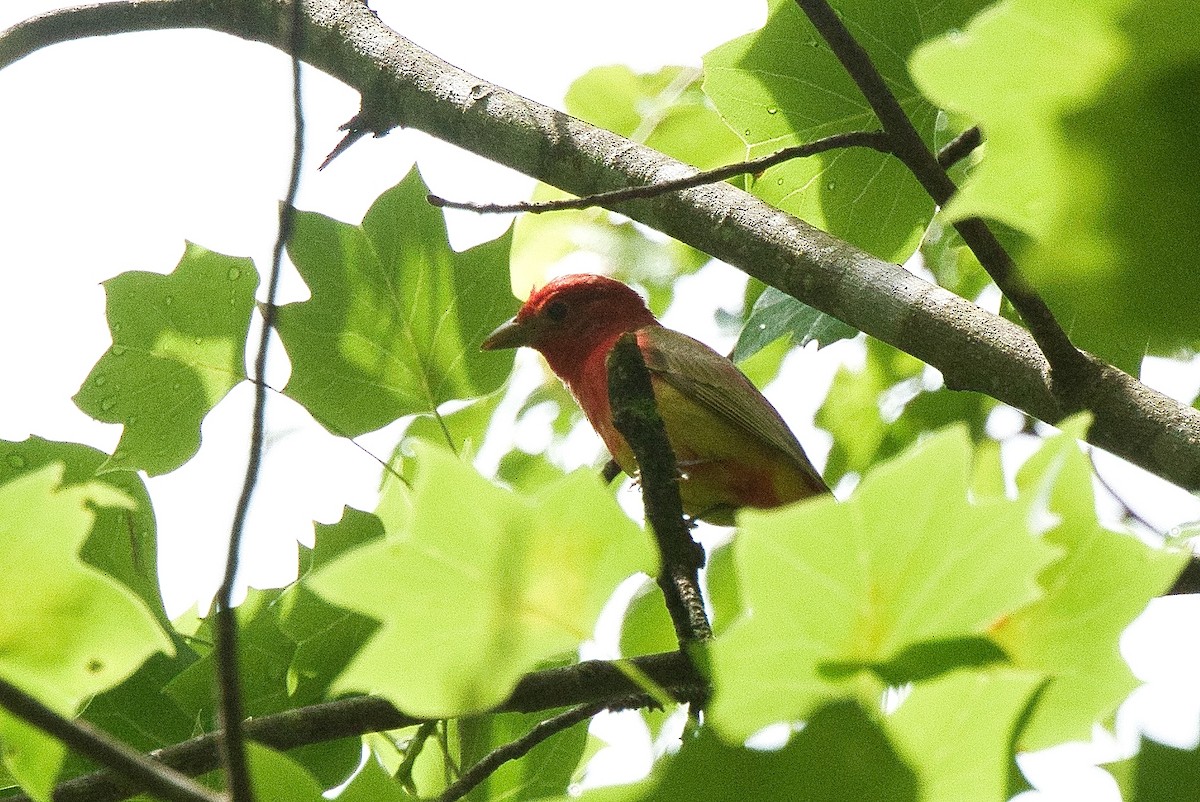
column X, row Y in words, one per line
column 403, row 84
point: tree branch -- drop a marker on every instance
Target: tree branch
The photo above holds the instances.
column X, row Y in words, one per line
column 875, row 140
column 129, row 767
column 960, row 147
column 592, row 682
column 973, row 349
column 517, row 749
column 230, row 710
column 1068, row 363
column 635, row 414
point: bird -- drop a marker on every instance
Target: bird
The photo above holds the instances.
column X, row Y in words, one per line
column 732, row 447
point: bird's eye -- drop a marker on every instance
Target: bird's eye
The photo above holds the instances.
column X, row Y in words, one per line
column 557, row 311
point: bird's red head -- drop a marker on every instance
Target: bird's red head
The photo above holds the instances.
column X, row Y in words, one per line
column 571, row 316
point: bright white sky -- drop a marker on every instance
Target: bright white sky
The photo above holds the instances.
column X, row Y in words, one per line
column 114, row 151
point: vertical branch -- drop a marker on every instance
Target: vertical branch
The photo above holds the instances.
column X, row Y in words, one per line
column 636, row 417
column 1066, row 362
column 230, row 711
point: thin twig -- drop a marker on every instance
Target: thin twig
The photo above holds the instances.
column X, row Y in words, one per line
column 636, row 417
column 229, row 697
column 95, row 744
column 517, row 749
column 1128, row 511
column 1069, row 367
column 411, row 752
column 875, row 140
column 960, row 147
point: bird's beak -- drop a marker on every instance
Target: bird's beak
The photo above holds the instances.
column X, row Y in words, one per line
column 512, row 333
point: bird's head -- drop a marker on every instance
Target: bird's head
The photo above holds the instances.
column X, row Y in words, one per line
column 570, row 316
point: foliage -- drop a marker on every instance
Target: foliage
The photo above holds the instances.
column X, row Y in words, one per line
column 924, row 628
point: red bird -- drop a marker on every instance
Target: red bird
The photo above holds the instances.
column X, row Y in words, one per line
column 732, row 446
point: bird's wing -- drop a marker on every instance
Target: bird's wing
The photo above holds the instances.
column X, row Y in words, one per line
column 699, row 372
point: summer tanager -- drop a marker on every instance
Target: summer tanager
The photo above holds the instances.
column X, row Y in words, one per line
column 732, row 447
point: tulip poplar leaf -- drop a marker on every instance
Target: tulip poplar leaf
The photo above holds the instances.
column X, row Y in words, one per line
column 843, row 754
column 123, row 539
column 101, row 630
column 396, row 317
column 782, row 86
column 480, row 584
column 1096, row 166
column 957, row 730
column 178, row 347
column 777, row 314
column 665, row 110
column 1104, row 580
column 909, row 558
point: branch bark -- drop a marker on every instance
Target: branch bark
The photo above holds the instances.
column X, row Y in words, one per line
column 85, row 739
column 403, row 84
column 588, row 683
column 635, row 414
column 1069, row 366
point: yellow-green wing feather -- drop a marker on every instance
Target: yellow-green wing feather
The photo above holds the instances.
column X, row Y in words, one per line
column 700, row 373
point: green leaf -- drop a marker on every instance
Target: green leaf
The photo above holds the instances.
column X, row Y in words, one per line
column 462, row 430
column 1102, row 582
column 1095, row 165
column 275, row 778
column 396, row 317
column 666, row 110
column 852, row 410
column 907, row 559
column 720, row 577
column 926, row 660
column 292, row 667
column 123, row 540
column 545, row 771
column 782, row 86
column 480, row 585
column 138, row 711
column 647, row 627
column 957, row 731
column 326, row 637
column 373, row 784
column 841, row 754
column 777, row 314
column 1163, row 773
column 952, row 263
column 101, row 632
column 178, row 348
